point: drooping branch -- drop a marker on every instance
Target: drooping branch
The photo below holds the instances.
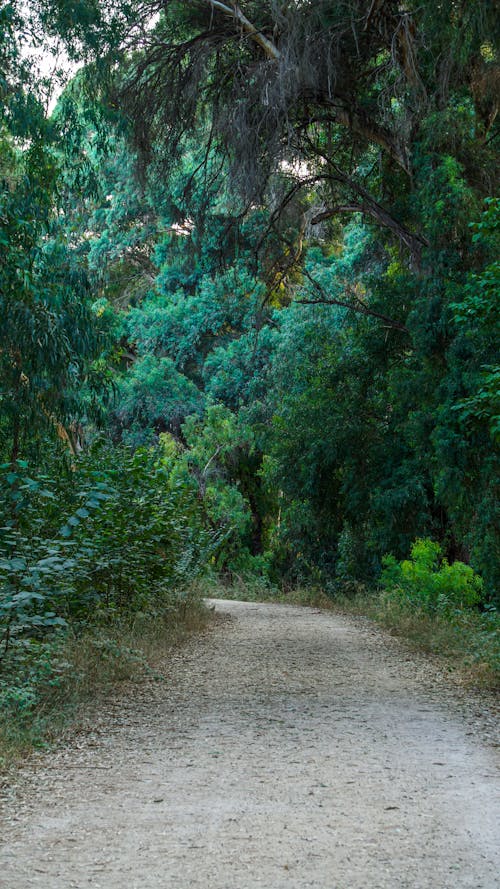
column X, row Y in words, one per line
column 359, row 123
column 368, row 206
column 342, row 110
column 142, row 261
column 374, row 5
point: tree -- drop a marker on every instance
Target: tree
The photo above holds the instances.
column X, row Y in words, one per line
column 298, row 246
column 49, row 338
column 344, row 89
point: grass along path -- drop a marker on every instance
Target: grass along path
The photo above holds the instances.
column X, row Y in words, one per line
column 288, row 747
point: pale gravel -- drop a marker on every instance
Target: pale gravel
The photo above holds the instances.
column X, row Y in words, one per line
column 287, row 747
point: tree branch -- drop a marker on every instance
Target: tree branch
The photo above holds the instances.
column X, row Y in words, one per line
column 353, row 119
column 370, row 207
column 235, row 13
column 323, row 299
column 359, row 123
column 356, row 306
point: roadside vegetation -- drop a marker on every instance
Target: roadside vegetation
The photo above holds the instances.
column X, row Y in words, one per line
column 249, row 325
column 49, row 687
column 97, row 568
column 464, row 640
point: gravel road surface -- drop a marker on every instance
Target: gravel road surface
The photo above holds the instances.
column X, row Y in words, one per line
column 286, row 748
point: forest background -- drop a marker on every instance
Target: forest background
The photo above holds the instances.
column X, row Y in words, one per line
column 249, row 298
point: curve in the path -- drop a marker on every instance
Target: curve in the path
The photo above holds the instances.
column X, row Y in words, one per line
column 288, row 748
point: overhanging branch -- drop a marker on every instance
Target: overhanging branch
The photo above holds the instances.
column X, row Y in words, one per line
column 362, row 125
column 355, row 120
column 368, row 206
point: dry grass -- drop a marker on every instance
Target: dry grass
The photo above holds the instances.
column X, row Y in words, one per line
column 467, row 643
column 46, row 688
column 130, row 649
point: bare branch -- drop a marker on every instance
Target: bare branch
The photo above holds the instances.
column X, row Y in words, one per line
column 356, row 306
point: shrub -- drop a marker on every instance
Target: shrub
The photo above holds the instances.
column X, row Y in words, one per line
column 112, row 536
column 429, row 582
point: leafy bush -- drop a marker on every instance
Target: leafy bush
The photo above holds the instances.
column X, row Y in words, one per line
column 96, row 559
column 111, row 536
column 427, row 580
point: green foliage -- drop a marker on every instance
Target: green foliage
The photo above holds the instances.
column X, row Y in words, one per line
column 114, row 536
column 478, row 312
column 32, row 671
column 218, row 466
column 49, row 339
column 429, row 582
column 153, row 397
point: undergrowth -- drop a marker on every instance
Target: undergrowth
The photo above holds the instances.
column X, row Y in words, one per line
column 468, row 642
column 45, row 684
column 249, row 588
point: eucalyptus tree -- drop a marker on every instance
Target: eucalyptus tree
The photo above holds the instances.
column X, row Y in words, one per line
column 355, row 104
column 343, row 93
column 48, row 336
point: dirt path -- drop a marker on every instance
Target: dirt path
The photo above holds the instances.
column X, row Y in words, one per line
column 288, row 748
